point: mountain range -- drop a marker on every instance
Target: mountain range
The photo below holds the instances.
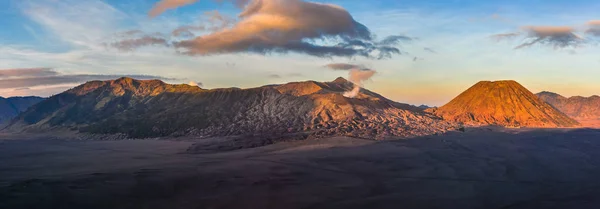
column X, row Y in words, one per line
column 152, row 108
column 11, row 107
column 308, row 109
column 504, row 103
column 583, row 109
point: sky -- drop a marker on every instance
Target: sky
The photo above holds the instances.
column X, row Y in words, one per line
column 423, row 52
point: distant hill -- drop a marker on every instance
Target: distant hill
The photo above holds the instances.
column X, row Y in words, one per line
column 424, row 107
column 11, row 107
column 583, row 109
column 504, row 103
column 152, row 108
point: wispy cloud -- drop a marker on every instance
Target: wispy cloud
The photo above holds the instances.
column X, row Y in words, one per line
column 594, row 28
column 133, row 43
column 345, row 66
column 78, row 23
column 35, row 77
column 430, row 50
column 26, row 72
column 286, row 75
column 558, row 37
column 165, row 5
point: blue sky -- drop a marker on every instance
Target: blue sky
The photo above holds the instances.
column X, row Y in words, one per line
column 69, row 35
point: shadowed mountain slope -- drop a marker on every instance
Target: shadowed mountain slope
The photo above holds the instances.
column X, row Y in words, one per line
column 505, row 103
column 11, row 107
column 153, row 108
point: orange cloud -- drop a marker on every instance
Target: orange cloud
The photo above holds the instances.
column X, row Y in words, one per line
column 165, row 5
column 280, row 26
column 555, row 36
column 594, row 28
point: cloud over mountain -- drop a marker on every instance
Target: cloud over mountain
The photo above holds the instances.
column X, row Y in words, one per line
column 19, row 79
column 275, row 26
column 345, row 66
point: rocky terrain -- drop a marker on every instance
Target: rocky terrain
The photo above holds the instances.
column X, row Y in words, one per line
column 504, row 103
column 142, row 109
column 11, row 107
column 583, row 109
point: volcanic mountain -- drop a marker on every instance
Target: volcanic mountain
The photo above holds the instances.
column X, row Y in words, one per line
column 582, row 109
column 151, row 108
column 11, row 107
column 504, row 103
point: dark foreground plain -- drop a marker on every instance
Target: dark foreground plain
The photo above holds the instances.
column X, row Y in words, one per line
column 482, row 168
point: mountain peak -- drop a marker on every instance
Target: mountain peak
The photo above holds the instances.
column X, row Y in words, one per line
column 124, row 79
column 340, row 80
column 505, row 103
column 497, row 83
column 548, row 93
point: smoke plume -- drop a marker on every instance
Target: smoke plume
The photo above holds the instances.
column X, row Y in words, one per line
column 358, row 76
column 194, row 83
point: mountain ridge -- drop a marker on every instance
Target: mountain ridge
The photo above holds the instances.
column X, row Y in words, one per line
column 583, row 109
column 152, row 108
column 12, row 106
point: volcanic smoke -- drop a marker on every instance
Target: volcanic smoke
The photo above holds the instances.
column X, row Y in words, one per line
column 358, row 76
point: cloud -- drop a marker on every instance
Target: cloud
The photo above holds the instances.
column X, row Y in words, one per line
column 186, row 30
column 238, row 3
column 43, row 91
column 505, row 36
column 131, row 44
column 81, row 24
column 212, row 21
column 558, row 37
column 594, row 28
column 274, row 76
column 165, row 5
column 394, row 40
column 32, row 77
column 283, row 26
column 27, row 72
column 430, row 50
column 345, row 66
